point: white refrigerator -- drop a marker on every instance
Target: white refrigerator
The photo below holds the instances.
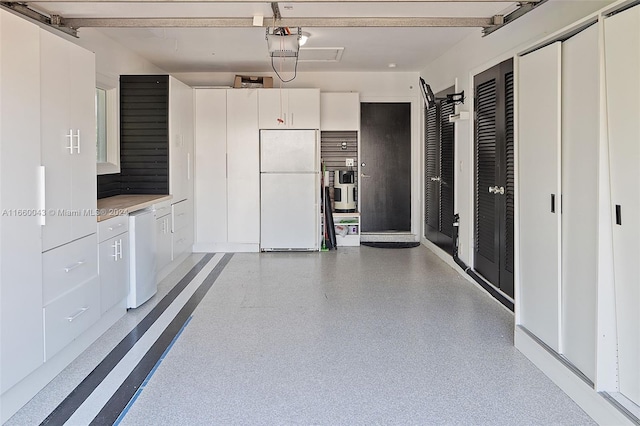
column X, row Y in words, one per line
column 289, row 190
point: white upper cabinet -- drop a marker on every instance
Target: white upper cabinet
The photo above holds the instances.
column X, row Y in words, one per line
column 68, row 132
column 339, row 111
column 289, row 108
column 180, row 140
column 21, row 331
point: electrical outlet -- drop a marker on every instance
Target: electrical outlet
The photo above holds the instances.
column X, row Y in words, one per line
column 350, row 162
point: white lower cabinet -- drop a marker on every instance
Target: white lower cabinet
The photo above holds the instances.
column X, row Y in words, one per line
column 66, row 267
column 113, row 261
column 71, row 292
column 69, row 315
column 181, row 228
column 163, row 235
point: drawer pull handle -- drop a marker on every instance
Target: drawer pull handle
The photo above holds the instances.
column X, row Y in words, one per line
column 70, row 136
column 80, row 312
column 111, row 228
column 77, row 265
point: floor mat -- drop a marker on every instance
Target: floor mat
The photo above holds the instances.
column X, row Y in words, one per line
column 386, row 244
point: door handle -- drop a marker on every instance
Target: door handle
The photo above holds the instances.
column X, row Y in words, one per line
column 77, row 147
column 496, row 190
column 42, row 196
column 74, row 266
column 70, row 136
column 364, row 176
column 80, row 312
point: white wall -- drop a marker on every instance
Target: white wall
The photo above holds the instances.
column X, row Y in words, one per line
column 112, row 58
column 475, row 54
column 372, row 87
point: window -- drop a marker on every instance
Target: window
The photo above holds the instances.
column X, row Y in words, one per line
column 101, row 125
column 107, row 119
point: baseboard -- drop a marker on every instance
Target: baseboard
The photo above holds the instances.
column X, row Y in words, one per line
column 487, row 288
column 225, row 248
column 594, row 404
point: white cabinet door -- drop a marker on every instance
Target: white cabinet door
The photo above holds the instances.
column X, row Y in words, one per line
column 273, row 108
column 58, row 138
column 289, row 108
column 243, row 165
column 180, row 140
column 83, row 117
column 163, row 242
column 304, row 108
column 580, row 144
column 339, row 111
column 539, row 192
column 68, row 130
column 622, row 61
column 211, row 166
column 21, row 330
column 113, row 266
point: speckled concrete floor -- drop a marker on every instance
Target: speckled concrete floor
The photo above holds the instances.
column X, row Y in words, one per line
column 358, row 336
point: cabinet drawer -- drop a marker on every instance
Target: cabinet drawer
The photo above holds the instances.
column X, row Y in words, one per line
column 181, row 215
column 163, row 208
column 70, row 315
column 111, row 227
column 181, row 242
column 66, row 267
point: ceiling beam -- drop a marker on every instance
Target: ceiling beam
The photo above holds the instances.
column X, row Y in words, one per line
column 284, row 22
column 288, row 1
column 518, row 13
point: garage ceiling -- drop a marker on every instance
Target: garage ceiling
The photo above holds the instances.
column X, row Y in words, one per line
column 343, row 36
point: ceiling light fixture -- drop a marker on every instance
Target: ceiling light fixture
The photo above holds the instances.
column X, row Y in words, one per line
column 392, row 65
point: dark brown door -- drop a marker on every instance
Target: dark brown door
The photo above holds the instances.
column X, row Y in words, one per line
column 494, row 189
column 385, row 179
column 439, row 179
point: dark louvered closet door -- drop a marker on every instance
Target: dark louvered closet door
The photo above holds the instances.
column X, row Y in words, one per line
column 507, row 251
column 439, row 153
column 494, row 196
column 432, row 173
column 446, row 177
column 486, row 223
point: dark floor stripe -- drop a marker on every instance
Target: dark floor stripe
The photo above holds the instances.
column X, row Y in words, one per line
column 153, row 370
column 76, row 398
column 114, row 407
